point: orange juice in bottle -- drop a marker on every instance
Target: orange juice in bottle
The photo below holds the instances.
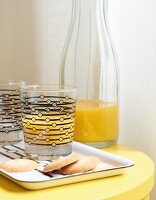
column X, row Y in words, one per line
column 96, row 121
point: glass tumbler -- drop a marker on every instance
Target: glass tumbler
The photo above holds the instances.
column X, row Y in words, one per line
column 10, row 113
column 48, row 113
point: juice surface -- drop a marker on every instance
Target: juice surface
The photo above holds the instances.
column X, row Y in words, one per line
column 96, row 121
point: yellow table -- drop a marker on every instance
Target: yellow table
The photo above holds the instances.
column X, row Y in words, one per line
column 136, row 184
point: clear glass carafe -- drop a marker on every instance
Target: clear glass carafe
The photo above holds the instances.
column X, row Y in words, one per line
column 89, row 63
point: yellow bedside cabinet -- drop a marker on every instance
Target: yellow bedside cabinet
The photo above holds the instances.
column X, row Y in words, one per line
column 135, row 184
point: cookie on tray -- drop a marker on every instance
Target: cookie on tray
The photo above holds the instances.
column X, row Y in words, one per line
column 61, row 162
column 84, row 164
column 19, row 165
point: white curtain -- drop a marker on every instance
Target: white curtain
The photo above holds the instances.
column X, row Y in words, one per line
column 32, row 33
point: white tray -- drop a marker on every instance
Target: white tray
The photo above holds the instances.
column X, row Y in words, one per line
column 34, row 180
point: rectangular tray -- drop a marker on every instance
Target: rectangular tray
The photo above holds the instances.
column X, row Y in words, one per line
column 33, row 180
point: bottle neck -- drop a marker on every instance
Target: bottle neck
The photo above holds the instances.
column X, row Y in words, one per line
column 90, row 11
column 87, row 5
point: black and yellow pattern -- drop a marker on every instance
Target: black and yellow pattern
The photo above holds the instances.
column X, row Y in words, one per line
column 10, row 111
column 48, row 120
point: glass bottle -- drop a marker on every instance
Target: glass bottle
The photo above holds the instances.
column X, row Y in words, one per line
column 89, row 63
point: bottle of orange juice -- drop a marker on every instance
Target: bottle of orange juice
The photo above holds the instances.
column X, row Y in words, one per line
column 89, row 63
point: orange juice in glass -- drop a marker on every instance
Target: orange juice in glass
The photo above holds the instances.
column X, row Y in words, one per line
column 96, row 122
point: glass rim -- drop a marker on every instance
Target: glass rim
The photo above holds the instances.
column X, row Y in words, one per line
column 48, row 88
column 15, row 83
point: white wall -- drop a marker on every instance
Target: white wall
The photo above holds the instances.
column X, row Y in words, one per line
column 32, row 33
column 133, row 25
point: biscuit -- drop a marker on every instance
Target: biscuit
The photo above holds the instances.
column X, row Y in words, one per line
column 61, row 162
column 100, row 166
column 103, row 166
column 19, row 165
column 84, row 164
